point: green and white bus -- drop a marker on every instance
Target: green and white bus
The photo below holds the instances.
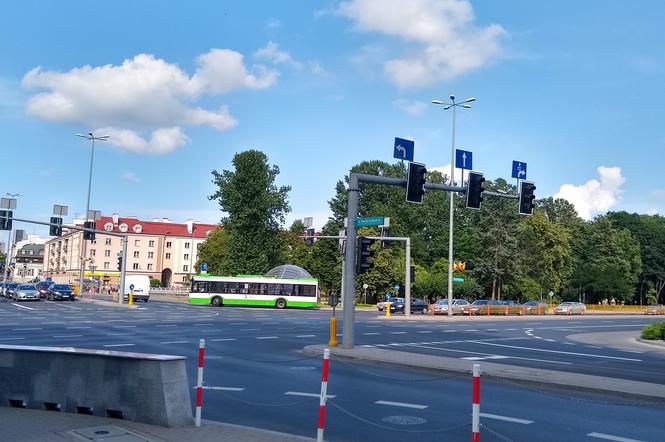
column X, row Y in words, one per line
column 253, row 290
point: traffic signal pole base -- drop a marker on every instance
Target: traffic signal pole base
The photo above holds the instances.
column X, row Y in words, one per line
column 332, row 342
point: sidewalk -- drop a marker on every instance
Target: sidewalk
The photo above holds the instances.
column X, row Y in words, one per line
column 19, row 425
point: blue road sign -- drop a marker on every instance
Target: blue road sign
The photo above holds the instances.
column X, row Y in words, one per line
column 403, row 149
column 396, row 287
column 519, row 170
column 131, row 287
column 387, row 296
column 463, row 159
column 204, row 267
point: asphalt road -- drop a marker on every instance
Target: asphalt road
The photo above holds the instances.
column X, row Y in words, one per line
column 261, row 378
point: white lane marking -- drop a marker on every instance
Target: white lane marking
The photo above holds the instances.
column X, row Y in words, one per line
column 305, row 336
column 206, row 387
column 250, row 329
column 166, row 325
column 10, row 339
column 558, row 351
column 398, row 333
column 237, row 323
column 531, row 323
column 69, row 306
column 223, row 339
column 55, row 322
column 491, row 329
column 371, row 333
column 204, row 325
column 300, row 393
column 266, row 337
column 22, row 306
column 123, row 326
column 485, row 354
column 115, row 334
column 67, row 336
column 401, row 404
column 550, row 340
column 27, row 329
column 175, row 342
column 118, row 345
column 509, row 329
column 74, row 328
column 610, row 437
column 479, row 358
column 425, row 331
column 593, row 346
column 470, row 330
column 506, row 418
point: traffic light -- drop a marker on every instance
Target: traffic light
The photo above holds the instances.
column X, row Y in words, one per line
column 412, row 270
column 527, row 198
column 120, row 263
column 364, row 254
column 310, row 232
column 385, row 232
column 6, row 219
column 474, row 191
column 87, row 234
column 55, row 229
column 415, row 183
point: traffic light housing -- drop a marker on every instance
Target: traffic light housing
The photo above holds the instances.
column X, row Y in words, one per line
column 87, row 234
column 6, row 219
column 474, row 190
column 415, row 183
column 527, row 198
column 385, row 232
column 310, row 232
column 363, row 263
column 55, row 229
column 120, row 263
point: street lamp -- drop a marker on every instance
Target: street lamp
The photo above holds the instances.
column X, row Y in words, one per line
column 92, row 138
column 452, row 105
column 9, row 204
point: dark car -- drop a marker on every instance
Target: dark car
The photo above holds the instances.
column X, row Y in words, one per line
column 60, row 292
column 43, row 286
column 417, row 305
column 535, row 307
column 10, row 290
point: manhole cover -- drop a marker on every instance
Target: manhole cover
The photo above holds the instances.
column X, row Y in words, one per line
column 404, row 420
column 101, row 432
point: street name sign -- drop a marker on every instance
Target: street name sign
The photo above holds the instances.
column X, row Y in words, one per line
column 463, row 159
column 369, row 221
column 458, row 279
column 519, row 170
column 403, row 149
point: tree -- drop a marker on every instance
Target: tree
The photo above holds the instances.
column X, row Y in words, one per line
column 297, row 227
column 256, row 208
column 212, row 252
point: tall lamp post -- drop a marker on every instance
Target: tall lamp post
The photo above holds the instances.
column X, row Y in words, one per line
column 10, row 204
column 92, row 138
column 452, row 105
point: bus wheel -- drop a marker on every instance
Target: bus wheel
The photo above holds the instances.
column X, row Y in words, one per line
column 216, row 301
column 280, row 303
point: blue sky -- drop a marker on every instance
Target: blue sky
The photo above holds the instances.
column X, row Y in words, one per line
column 572, row 88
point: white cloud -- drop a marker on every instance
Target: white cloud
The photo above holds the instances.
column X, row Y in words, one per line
column 273, row 54
column 273, row 23
column 447, row 43
column 595, row 196
column 130, row 176
column 445, row 170
column 145, row 95
column 410, row 107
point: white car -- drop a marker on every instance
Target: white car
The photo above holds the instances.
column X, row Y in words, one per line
column 440, row 307
column 26, row 292
column 570, row 308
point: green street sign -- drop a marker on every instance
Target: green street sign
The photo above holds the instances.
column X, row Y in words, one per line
column 369, row 221
column 458, row 279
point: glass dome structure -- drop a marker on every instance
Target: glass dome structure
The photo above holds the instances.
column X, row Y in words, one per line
column 288, row 271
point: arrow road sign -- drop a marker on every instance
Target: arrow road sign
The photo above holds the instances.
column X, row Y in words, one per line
column 403, row 149
column 463, row 159
column 519, row 170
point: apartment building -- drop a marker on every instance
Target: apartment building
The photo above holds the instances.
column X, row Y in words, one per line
column 161, row 249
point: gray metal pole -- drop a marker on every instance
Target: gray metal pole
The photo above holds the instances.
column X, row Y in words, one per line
column 84, row 247
column 407, row 279
column 8, row 258
column 121, row 288
column 450, row 231
column 349, row 267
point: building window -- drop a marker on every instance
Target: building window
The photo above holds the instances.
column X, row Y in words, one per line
column 108, row 241
column 94, row 241
column 151, row 243
column 106, row 265
column 136, row 254
column 185, row 268
column 168, row 244
column 137, row 228
column 149, row 266
column 151, row 255
column 137, row 242
column 93, row 252
column 187, row 245
column 168, row 256
column 186, row 257
column 107, row 253
column 108, row 227
column 135, row 266
column 123, row 227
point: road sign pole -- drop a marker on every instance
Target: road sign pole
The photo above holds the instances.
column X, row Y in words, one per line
column 407, row 279
column 121, row 285
column 450, row 230
column 349, row 263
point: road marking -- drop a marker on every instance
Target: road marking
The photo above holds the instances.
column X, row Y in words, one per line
column 371, row 333
column 593, row 346
column 425, row 331
column 250, row 329
column 266, row 337
column 115, row 334
column 398, row 333
column 118, row 345
column 205, row 387
column 481, row 353
column 401, row 404
column 506, row 418
column 204, row 325
column 558, row 351
column 10, row 339
column 26, row 329
column 610, row 437
column 238, row 323
column 67, row 336
column 509, row 329
column 491, row 329
column 123, row 326
column 305, row 336
column 22, row 306
column 56, row 322
column 223, row 339
column 82, row 326
column 166, row 325
column 550, row 340
column 175, row 342
column 300, row 393
column 482, row 358
column 470, row 330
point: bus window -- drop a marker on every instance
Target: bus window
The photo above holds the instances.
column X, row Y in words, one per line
column 286, row 289
column 200, row 286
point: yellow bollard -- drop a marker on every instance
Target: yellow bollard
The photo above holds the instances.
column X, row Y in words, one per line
column 387, row 310
column 131, row 297
column 333, row 332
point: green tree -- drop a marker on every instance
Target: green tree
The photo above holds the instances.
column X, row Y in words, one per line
column 256, row 208
column 297, row 226
column 212, row 252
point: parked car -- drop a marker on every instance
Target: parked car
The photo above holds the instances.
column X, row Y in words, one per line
column 417, row 305
column 510, row 307
column 657, row 309
column 535, row 307
column 42, row 287
column 440, row 307
column 9, row 290
column 570, row 308
column 479, row 307
column 60, row 292
column 381, row 305
column 26, row 292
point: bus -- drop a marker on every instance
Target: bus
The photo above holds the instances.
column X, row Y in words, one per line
column 254, row 290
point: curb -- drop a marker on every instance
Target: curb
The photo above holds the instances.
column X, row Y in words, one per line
column 110, row 304
column 651, row 342
column 535, row 376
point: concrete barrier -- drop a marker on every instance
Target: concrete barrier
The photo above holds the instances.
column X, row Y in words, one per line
column 135, row 386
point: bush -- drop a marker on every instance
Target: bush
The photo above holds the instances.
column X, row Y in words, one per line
column 654, row 331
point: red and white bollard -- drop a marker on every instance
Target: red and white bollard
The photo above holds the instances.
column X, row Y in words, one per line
column 475, row 408
column 324, row 393
column 199, row 384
